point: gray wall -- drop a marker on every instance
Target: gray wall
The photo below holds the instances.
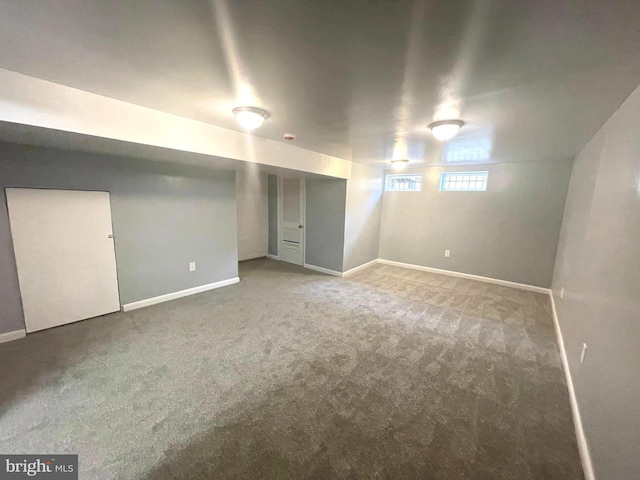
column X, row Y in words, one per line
column 273, row 214
column 598, row 264
column 510, row 232
column 362, row 216
column 325, row 215
column 164, row 216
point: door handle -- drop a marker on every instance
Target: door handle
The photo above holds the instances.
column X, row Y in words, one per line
column 111, row 235
column 299, row 226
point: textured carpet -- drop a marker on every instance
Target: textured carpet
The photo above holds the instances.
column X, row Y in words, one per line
column 390, row 373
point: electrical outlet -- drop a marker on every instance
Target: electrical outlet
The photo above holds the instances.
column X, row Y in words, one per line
column 447, row 253
column 584, row 352
column 192, row 266
column 562, row 293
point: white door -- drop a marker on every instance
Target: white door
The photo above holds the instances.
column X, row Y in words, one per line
column 65, row 255
column 291, row 248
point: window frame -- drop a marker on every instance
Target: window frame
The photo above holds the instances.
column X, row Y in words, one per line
column 476, row 173
column 389, row 176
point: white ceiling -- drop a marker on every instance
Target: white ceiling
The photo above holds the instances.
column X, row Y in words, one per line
column 357, row 79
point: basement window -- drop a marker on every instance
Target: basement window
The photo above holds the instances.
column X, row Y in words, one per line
column 464, row 181
column 403, row 183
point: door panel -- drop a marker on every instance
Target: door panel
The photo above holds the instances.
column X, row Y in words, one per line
column 64, row 255
column 292, row 233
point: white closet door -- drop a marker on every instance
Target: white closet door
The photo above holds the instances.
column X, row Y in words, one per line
column 292, row 213
column 64, row 253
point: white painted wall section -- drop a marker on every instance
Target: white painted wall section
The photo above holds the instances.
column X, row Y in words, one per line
column 253, row 216
column 31, row 101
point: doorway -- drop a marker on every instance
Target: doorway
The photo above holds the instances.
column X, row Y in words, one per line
column 291, row 216
column 65, row 255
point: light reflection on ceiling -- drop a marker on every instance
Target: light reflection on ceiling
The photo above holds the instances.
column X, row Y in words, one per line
column 356, row 79
column 468, row 150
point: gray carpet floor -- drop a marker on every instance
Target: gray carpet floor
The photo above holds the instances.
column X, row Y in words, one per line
column 390, row 373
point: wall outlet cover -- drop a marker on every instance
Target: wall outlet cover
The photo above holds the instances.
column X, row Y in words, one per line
column 192, row 266
column 447, row 253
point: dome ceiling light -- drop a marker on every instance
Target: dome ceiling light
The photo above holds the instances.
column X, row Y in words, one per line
column 250, row 118
column 446, row 129
column 399, row 164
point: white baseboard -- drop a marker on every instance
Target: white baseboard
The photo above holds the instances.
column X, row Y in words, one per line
column 583, row 446
column 360, row 267
column 450, row 273
column 273, row 257
column 496, row 281
column 323, row 270
column 254, row 257
column 10, row 336
column 182, row 293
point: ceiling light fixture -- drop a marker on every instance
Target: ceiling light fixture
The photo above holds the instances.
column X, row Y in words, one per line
column 250, row 118
column 446, row 129
column 399, row 164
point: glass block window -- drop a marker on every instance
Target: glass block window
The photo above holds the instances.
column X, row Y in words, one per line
column 463, row 181
column 403, row 183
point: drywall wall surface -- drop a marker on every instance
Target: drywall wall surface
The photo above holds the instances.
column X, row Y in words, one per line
column 164, row 216
column 252, row 212
column 325, row 214
column 362, row 216
column 598, row 264
column 510, row 232
column 273, row 214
